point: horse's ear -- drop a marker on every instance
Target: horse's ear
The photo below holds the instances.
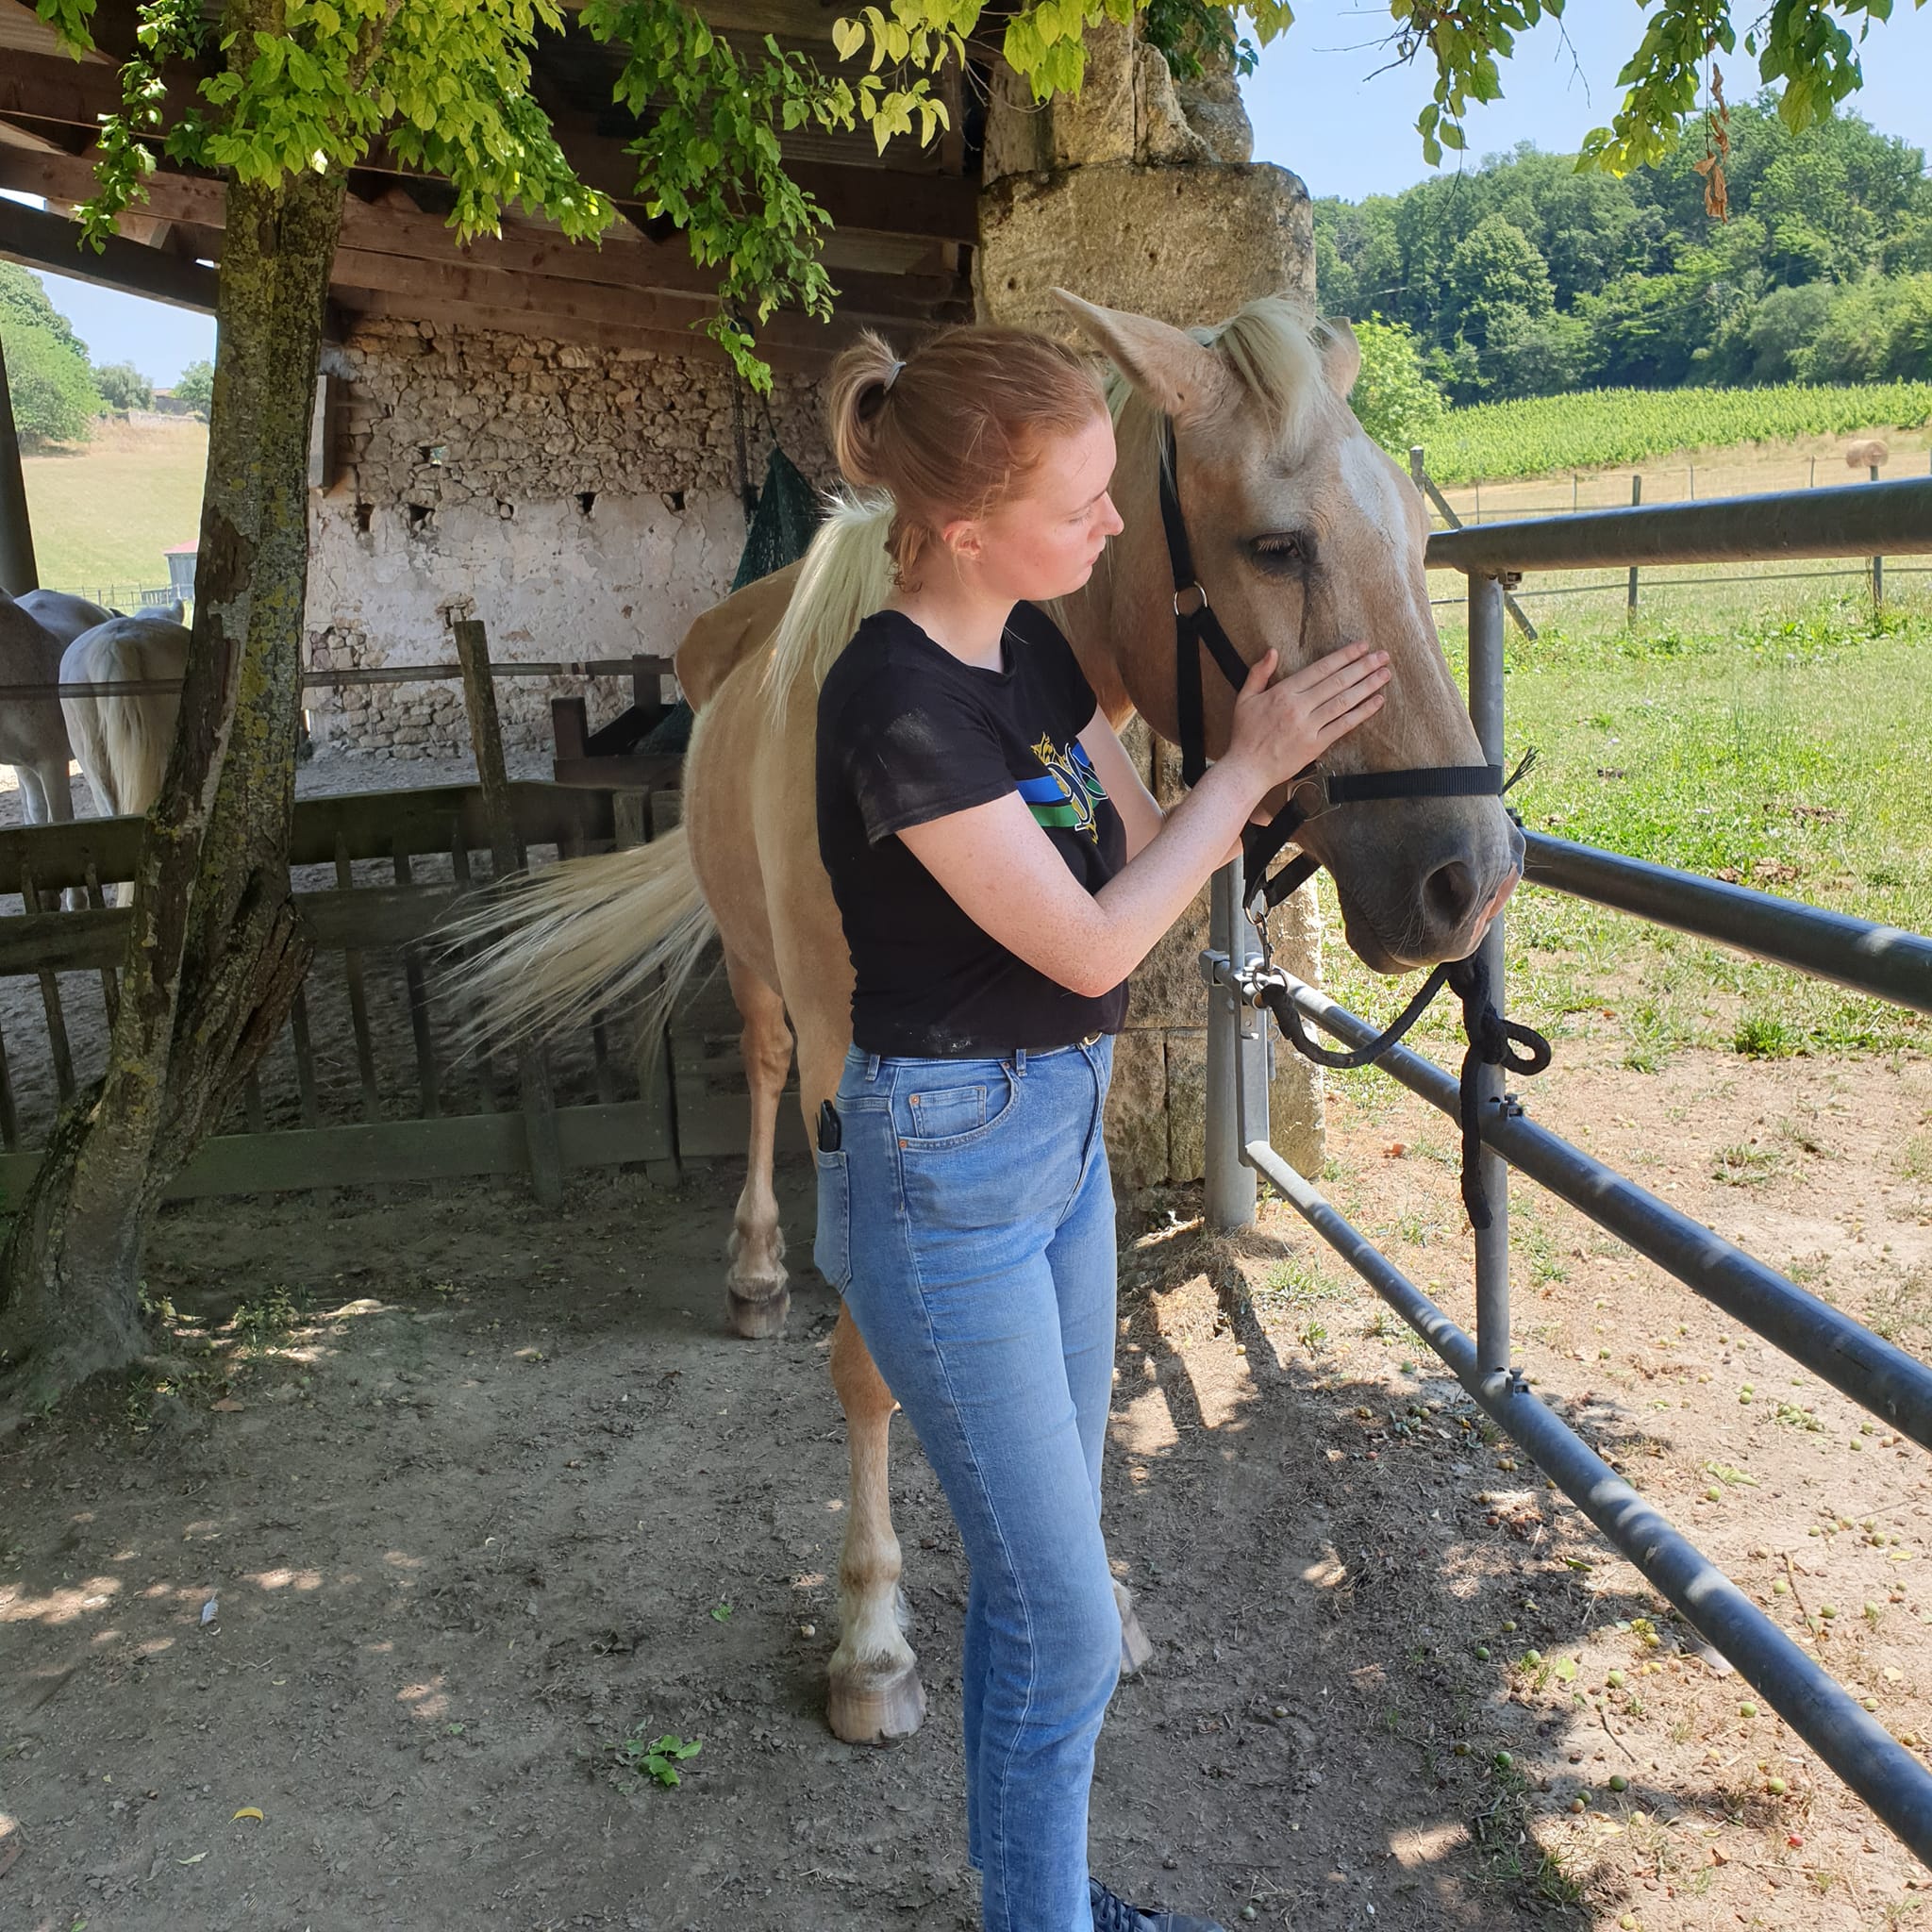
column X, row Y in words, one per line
column 1168, row 366
column 1342, row 356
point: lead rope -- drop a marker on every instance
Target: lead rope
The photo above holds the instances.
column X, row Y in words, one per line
column 1494, row 1042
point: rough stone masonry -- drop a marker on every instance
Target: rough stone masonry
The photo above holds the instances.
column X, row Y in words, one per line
column 582, row 503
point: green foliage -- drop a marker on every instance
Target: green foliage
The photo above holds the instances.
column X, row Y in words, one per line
column 1526, row 277
column 124, row 387
column 709, row 157
column 1193, row 37
column 1615, row 427
column 654, row 1758
column 1392, row 399
column 315, row 83
column 1880, row 328
column 196, row 388
column 24, row 301
column 446, row 86
column 54, row 396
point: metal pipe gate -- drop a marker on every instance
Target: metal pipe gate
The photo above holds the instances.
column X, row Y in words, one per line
column 1883, row 962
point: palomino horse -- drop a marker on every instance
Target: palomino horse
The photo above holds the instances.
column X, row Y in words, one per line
column 1307, row 536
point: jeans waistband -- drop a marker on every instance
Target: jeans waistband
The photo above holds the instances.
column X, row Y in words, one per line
column 1017, row 1059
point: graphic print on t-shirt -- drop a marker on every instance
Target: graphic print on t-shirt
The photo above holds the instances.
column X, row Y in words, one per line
column 1069, row 793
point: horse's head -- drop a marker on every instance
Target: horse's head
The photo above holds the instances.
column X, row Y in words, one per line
column 1305, row 536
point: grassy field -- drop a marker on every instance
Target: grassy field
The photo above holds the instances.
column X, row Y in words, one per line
column 1620, row 427
column 1784, row 749
column 104, row 513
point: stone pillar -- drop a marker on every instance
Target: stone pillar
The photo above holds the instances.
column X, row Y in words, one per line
column 1143, row 197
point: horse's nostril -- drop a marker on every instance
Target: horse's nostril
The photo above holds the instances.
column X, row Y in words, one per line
column 1450, row 895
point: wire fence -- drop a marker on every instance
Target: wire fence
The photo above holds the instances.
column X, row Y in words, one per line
column 568, row 667
column 1613, row 490
column 127, row 599
column 1443, row 515
column 1861, row 572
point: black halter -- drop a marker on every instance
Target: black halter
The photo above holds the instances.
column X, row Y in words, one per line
column 1493, row 1039
column 1196, row 626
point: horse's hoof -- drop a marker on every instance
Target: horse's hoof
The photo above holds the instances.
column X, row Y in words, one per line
column 864, row 1709
column 758, row 1318
column 1134, row 1648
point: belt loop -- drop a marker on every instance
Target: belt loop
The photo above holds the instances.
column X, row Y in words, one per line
column 872, row 1068
column 1020, row 1062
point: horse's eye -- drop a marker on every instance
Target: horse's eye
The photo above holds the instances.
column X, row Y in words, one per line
column 1281, row 551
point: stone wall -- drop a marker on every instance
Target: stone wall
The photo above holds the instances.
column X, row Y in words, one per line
column 583, row 502
column 1141, row 195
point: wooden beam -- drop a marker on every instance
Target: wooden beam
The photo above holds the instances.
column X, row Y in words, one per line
column 882, row 196
column 879, row 274
column 371, row 1153
column 52, row 241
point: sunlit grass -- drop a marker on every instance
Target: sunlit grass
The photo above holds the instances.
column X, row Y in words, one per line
column 1783, row 749
column 105, row 513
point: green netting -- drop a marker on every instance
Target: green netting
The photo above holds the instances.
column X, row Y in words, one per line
column 782, row 524
column 781, row 527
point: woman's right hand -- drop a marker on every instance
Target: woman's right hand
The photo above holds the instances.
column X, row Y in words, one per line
column 1281, row 728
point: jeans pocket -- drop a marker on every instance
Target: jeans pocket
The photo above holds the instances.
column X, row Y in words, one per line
column 936, row 1118
column 943, row 1113
column 831, row 1248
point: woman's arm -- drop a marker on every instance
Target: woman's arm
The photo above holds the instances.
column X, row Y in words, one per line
column 1138, row 813
column 1002, row 871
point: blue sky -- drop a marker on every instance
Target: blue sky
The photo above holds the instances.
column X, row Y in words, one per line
column 1317, row 110
column 1319, row 107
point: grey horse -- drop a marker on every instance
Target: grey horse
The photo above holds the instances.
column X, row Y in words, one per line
column 33, row 735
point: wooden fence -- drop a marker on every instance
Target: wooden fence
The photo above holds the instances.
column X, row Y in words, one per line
column 368, row 1085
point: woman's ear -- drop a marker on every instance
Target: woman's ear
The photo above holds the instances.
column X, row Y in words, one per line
column 964, row 539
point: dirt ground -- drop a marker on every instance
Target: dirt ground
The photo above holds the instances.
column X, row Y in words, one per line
column 434, row 1503
column 436, row 1513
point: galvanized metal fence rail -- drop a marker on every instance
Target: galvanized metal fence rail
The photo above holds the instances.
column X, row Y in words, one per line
column 1888, row 964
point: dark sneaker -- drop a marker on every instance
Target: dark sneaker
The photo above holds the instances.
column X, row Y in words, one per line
column 1111, row 1914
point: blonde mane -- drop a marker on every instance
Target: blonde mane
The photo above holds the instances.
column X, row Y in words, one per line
column 1273, row 346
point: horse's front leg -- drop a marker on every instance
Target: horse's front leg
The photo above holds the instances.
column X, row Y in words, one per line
column 875, row 1694
column 755, row 1282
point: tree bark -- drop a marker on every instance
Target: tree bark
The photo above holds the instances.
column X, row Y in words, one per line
column 216, row 949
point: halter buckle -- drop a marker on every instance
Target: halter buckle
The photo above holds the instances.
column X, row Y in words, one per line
column 1185, row 591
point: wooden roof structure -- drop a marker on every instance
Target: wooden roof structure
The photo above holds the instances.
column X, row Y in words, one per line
column 899, row 251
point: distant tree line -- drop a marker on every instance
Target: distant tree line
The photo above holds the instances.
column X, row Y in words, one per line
column 1523, row 278
column 56, row 390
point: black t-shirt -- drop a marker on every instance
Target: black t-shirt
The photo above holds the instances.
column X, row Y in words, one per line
column 908, row 733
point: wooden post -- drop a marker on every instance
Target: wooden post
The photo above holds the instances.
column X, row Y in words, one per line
column 1636, row 497
column 570, row 728
column 1877, row 565
column 1426, row 484
column 18, row 573
column 507, row 857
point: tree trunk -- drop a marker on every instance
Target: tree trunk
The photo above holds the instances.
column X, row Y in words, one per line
column 216, row 950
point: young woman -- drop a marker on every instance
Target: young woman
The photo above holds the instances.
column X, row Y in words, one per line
column 1000, row 870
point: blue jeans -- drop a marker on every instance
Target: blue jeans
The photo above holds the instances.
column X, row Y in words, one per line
column 968, row 1221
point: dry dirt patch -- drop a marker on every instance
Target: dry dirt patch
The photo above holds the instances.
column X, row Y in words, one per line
column 477, row 1496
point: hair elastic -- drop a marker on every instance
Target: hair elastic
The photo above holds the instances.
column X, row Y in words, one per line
column 892, row 376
